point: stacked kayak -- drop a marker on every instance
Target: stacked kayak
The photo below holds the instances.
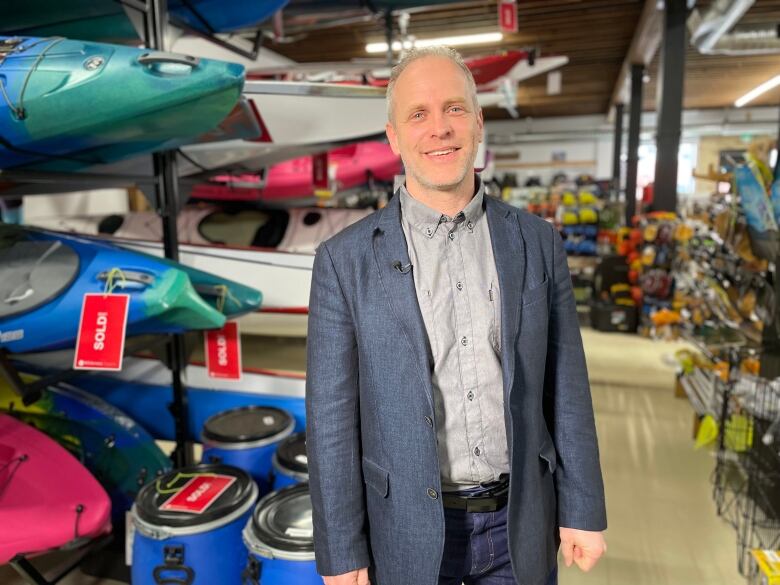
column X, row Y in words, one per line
column 352, row 166
column 272, row 249
column 73, row 104
column 142, row 389
column 38, row 510
column 121, row 455
column 44, row 277
column 108, row 20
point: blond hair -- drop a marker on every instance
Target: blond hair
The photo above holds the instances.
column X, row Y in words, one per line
column 417, row 54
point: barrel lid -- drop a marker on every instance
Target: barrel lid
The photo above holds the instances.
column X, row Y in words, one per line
column 291, row 453
column 282, row 522
column 248, row 423
column 194, row 495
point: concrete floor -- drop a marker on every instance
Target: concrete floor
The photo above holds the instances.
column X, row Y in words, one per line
column 663, row 529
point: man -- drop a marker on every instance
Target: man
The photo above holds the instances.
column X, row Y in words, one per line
column 450, row 428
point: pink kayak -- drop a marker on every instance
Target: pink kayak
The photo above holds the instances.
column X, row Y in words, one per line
column 47, row 498
column 351, row 164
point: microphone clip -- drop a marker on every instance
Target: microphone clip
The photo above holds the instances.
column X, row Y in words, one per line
column 402, row 268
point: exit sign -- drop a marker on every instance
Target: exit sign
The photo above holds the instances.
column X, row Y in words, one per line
column 507, row 16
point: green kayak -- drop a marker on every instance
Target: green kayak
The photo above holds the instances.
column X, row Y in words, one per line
column 71, row 104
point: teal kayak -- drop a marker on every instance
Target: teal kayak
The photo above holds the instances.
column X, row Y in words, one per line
column 69, row 104
column 108, row 20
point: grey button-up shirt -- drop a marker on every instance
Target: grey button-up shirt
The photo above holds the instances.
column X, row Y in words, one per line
column 457, row 288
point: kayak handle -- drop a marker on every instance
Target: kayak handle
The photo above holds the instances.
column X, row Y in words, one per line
column 162, row 57
column 130, row 276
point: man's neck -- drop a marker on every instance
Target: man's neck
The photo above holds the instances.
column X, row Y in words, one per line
column 449, row 203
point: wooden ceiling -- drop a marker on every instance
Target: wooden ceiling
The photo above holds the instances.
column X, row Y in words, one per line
column 594, row 34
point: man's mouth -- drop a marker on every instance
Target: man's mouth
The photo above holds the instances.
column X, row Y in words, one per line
column 442, row 151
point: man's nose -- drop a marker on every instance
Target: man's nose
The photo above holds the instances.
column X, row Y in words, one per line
column 440, row 126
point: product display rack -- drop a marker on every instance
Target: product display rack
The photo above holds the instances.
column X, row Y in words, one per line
column 166, row 203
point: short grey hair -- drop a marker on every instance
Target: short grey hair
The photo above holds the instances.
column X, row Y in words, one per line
column 417, row 54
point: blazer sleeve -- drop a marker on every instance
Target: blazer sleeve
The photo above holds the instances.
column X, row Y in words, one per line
column 569, row 409
column 333, row 426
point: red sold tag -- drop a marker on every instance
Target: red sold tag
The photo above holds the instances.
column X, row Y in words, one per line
column 223, row 352
column 198, row 494
column 319, row 168
column 507, row 16
column 101, row 337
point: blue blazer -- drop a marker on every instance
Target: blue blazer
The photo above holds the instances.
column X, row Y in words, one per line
column 373, row 463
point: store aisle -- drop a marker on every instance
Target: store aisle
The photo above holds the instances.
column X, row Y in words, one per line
column 663, row 529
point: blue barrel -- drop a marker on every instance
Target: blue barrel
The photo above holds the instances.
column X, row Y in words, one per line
column 280, row 539
column 247, row 437
column 290, row 464
column 188, row 526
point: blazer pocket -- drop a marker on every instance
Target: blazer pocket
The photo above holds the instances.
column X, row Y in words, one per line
column 547, row 452
column 536, row 293
column 376, row 477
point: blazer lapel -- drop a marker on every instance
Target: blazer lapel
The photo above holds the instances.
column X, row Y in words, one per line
column 509, row 254
column 390, row 247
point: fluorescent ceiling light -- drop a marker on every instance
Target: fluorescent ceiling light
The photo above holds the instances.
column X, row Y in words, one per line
column 459, row 41
column 754, row 93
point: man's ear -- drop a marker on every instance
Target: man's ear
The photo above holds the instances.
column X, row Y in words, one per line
column 392, row 137
column 480, row 124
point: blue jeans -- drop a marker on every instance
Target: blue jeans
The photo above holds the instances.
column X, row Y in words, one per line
column 476, row 550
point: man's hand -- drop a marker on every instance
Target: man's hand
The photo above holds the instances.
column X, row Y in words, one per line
column 582, row 547
column 359, row 577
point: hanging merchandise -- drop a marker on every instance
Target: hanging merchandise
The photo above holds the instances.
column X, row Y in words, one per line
column 756, row 205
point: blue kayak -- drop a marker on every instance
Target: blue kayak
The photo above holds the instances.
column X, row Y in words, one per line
column 44, row 276
column 143, row 390
column 108, row 20
column 121, row 455
column 66, row 105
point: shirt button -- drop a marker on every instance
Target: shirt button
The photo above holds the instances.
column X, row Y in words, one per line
column 470, row 225
column 451, row 235
column 429, row 420
column 477, row 451
column 470, row 395
column 464, row 341
column 432, row 494
column 459, row 286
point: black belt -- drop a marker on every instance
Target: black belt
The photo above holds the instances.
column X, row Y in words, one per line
column 492, row 499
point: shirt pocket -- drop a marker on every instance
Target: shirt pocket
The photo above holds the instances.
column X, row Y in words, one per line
column 494, row 297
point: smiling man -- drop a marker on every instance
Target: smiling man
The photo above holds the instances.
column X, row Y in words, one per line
column 450, row 428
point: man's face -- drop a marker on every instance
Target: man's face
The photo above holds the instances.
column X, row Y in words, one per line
column 436, row 128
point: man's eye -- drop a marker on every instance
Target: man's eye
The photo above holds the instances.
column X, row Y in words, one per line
column 456, row 109
column 418, row 115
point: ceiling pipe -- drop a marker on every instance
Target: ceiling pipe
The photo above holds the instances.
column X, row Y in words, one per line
column 710, row 31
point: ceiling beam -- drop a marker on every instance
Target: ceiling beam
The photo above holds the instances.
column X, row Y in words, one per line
column 644, row 45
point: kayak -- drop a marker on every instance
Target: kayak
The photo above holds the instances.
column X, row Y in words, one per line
column 290, row 114
column 121, row 455
column 44, row 277
column 108, row 20
column 74, row 104
column 142, row 390
column 41, row 511
column 350, row 167
column 272, row 250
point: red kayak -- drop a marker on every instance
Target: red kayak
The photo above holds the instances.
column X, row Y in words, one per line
column 47, row 498
column 351, row 166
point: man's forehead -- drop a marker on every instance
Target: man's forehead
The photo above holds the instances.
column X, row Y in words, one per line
column 417, row 80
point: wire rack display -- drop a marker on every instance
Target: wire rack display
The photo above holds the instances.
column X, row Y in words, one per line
column 746, row 478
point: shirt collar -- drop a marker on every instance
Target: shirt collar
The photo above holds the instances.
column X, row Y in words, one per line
column 428, row 220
